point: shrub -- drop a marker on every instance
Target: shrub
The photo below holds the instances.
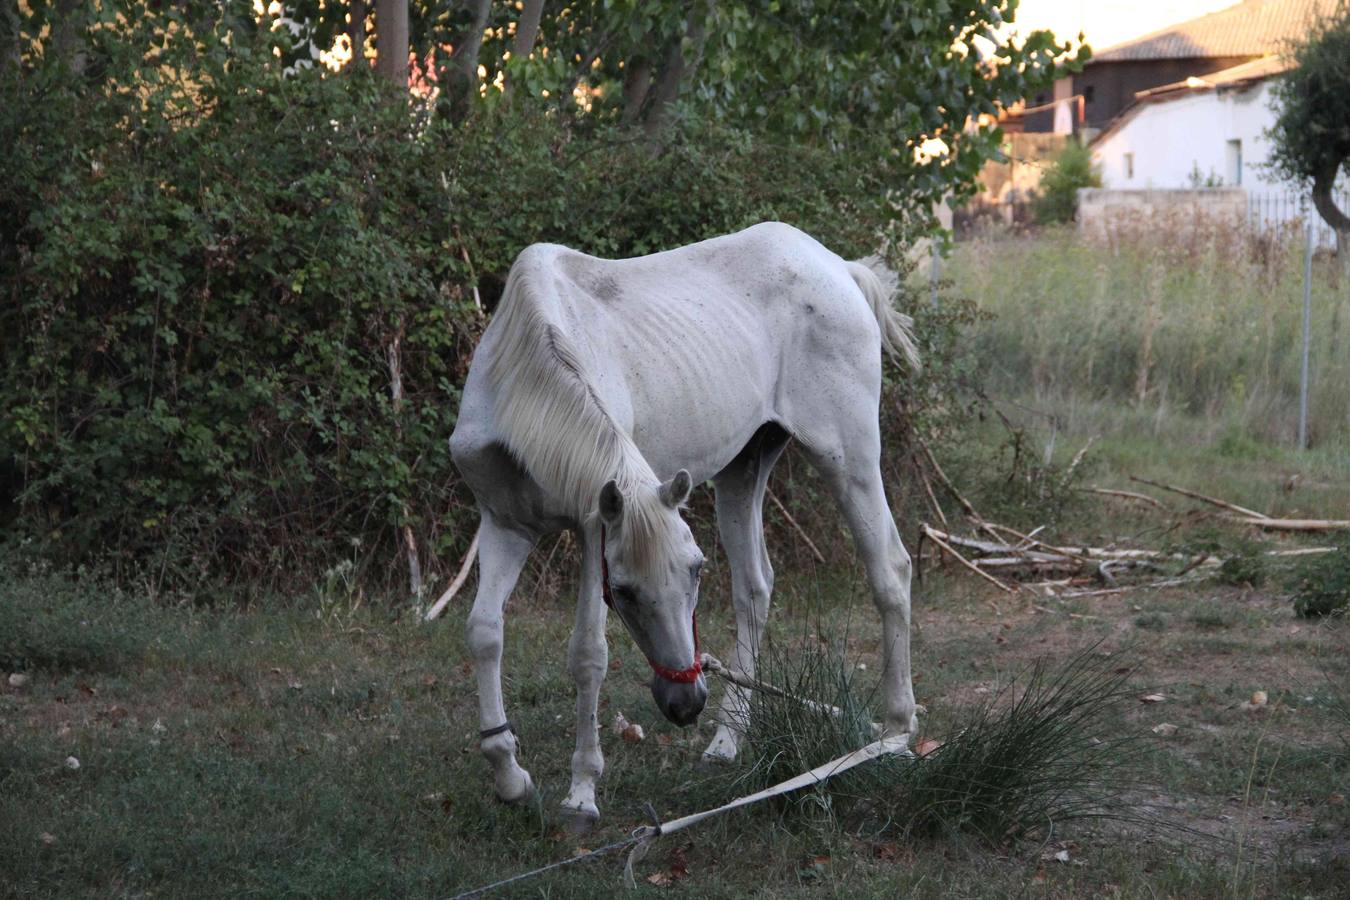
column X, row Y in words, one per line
column 1057, row 199
column 209, row 282
column 1321, row 584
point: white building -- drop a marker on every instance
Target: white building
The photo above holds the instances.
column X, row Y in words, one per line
column 1202, row 132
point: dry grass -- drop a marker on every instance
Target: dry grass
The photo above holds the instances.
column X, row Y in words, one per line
column 1174, row 327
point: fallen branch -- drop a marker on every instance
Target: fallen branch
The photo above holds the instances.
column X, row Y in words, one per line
column 461, row 577
column 1127, row 495
column 801, row 532
column 933, row 536
column 1165, row 583
column 1293, row 524
column 1213, row 501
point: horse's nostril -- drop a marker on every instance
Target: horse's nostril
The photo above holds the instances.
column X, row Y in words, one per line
column 679, row 703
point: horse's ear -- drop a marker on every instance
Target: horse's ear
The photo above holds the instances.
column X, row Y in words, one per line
column 675, row 491
column 611, row 504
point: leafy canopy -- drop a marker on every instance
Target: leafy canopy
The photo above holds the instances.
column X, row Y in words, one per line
column 1311, row 135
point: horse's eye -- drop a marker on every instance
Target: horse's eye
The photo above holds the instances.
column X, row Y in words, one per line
column 696, row 569
column 624, row 594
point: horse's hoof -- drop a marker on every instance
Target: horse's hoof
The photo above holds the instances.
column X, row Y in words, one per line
column 721, row 751
column 579, row 819
column 520, row 790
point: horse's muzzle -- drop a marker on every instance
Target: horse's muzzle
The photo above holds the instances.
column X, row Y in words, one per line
column 680, row 703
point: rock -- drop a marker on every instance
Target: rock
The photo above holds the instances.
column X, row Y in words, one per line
column 17, row 679
column 629, row 731
column 72, row 763
column 1164, row 729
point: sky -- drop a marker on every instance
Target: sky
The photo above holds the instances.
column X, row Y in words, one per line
column 1108, row 22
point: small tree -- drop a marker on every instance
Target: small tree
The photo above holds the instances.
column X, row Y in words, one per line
column 1312, row 134
column 1057, row 200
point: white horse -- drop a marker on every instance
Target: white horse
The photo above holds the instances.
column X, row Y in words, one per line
column 604, row 389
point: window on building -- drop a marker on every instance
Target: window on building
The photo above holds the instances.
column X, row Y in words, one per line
column 1089, row 92
column 1129, row 165
column 1234, row 155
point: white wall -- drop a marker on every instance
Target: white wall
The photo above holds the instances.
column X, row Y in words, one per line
column 1170, row 139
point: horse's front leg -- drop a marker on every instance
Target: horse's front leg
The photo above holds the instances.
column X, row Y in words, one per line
column 740, row 514
column 501, row 554
column 588, row 659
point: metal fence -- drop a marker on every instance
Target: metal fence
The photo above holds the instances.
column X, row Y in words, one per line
column 1275, row 212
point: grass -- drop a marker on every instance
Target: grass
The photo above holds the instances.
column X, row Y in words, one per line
column 326, row 744
column 286, row 752
column 1180, row 334
column 1041, row 752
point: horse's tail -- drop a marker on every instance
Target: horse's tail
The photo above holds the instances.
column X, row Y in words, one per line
column 879, row 285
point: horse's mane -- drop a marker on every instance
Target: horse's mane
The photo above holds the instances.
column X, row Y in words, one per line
column 555, row 424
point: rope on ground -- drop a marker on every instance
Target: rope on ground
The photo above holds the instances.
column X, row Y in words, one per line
column 645, row 833
column 642, row 838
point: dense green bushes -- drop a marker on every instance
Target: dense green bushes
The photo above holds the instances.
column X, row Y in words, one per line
column 204, row 283
column 1057, row 199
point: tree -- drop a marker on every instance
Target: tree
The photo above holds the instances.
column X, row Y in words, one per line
column 391, row 40
column 1312, row 133
column 1057, row 199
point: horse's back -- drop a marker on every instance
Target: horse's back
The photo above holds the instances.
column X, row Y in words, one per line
column 690, row 350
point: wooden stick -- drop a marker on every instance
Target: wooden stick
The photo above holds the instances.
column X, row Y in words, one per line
column 1128, row 495
column 1293, row 524
column 820, row 557
column 1222, row 504
column 1030, row 539
column 461, row 577
column 1167, row 582
column 1078, row 458
column 396, row 396
column 965, row 562
column 946, row 482
column 928, row 489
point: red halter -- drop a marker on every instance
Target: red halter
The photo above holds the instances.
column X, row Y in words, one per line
column 679, row 676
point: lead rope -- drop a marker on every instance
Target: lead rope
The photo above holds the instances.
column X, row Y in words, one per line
column 641, row 839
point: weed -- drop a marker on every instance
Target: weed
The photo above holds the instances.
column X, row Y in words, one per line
column 1321, row 584
column 1037, row 754
column 51, row 621
column 1151, row 622
column 1210, row 618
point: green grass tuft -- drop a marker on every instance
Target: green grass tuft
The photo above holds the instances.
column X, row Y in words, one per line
column 1042, row 751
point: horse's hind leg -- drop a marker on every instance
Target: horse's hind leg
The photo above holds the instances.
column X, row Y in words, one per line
column 740, row 521
column 501, row 554
column 849, row 461
column 588, row 659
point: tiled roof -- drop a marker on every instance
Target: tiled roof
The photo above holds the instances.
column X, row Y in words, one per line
column 1236, row 78
column 1252, row 28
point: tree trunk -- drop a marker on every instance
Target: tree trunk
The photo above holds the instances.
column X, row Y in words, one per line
column 356, row 33
column 67, row 41
column 11, row 27
column 527, row 29
column 677, row 66
column 461, row 76
column 391, row 41
column 1324, row 180
column 637, row 80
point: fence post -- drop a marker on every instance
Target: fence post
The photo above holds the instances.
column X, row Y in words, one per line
column 934, row 273
column 1307, row 330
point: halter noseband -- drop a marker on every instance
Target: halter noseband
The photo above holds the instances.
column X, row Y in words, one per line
column 679, row 676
